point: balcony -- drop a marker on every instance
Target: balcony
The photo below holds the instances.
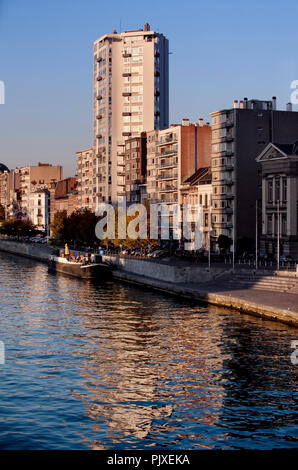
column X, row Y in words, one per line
column 229, row 210
column 229, row 124
column 169, row 199
column 167, row 176
column 156, row 54
column 121, row 173
column 120, row 154
column 229, row 167
column 167, row 153
column 126, row 114
column 99, row 97
column 229, row 196
column 157, row 113
column 156, row 93
column 126, row 74
column 229, row 153
column 167, row 189
column 99, row 78
column 167, row 140
column 126, row 93
column 156, row 73
column 229, row 182
column 99, row 136
column 99, row 116
column 169, row 164
column 126, row 134
column 126, row 54
column 99, row 59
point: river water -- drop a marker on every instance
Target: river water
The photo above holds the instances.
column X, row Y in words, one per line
column 113, row 366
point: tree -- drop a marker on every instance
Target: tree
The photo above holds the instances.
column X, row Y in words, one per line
column 17, row 227
column 59, row 225
column 2, row 212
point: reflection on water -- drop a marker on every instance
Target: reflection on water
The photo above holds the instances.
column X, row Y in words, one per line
column 115, row 367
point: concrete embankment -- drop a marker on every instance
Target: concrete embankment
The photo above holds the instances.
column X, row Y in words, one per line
column 38, row 253
column 190, row 281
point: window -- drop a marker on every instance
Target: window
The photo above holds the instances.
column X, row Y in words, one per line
column 284, row 224
column 269, row 224
column 284, row 189
column 277, row 189
column 270, row 190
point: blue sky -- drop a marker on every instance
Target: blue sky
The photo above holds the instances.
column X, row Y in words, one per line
column 221, row 51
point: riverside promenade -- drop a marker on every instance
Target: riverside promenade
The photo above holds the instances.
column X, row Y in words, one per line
column 270, row 295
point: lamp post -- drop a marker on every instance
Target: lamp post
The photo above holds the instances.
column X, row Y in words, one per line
column 209, row 239
column 278, row 234
column 256, row 234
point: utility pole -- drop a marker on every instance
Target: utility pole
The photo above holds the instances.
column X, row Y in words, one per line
column 233, row 219
column 256, row 234
column 209, row 239
column 278, row 235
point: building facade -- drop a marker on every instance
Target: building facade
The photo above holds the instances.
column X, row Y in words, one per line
column 135, row 168
column 35, row 176
column 239, row 135
column 87, row 179
column 279, row 171
column 131, row 95
column 180, row 151
column 39, row 208
column 197, row 190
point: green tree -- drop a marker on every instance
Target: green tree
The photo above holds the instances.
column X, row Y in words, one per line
column 17, row 227
column 59, row 225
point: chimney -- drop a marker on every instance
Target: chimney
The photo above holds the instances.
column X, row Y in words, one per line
column 235, row 104
column 201, row 122
column 289, row 107
column 245, row 103
column 274, row 103
column 185, row 122
column 146, row 27
column 241, row 104
column 115, row 31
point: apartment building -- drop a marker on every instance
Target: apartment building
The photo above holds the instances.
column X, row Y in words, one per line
column 151, row 166
column 10, row 192
column 88, row 176
column 279, row 171
column 131, row 95
column 39, row 208
column 197, row 190
column 181, row 150
column 135, row 168
column 239, row 134
column 65, row 197
column 34, row 176
column 4, row 176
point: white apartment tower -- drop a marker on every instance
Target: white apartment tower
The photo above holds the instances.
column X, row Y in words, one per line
column 131, row 95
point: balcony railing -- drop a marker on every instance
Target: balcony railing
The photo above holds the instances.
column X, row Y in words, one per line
column 168, row 164
column 167, row 153
column 169, row 188
column 167, row 176
column 167, row 141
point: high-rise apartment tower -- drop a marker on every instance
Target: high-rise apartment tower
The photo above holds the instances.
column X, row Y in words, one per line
column 131, row 95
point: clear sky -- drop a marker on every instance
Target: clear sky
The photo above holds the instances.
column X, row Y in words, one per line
column 221, row 51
